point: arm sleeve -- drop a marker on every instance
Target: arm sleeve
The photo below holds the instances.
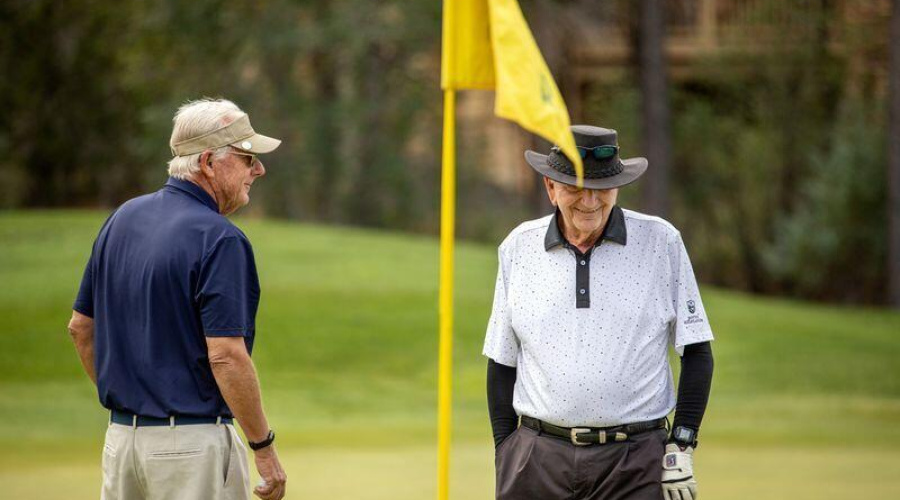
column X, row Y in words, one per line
column 694, row 385
column 500, row 342
column 84, row 301
column 501, row 383
column 228, row 289
column 690, row 324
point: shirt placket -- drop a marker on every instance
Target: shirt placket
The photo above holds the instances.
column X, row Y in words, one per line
column 582, row 277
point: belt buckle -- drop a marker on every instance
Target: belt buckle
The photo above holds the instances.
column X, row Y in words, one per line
column 573, row 435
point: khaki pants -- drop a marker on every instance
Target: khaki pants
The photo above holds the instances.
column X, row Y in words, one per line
column 187, row 462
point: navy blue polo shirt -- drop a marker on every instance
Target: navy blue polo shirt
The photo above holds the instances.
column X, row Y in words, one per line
column 167, row 271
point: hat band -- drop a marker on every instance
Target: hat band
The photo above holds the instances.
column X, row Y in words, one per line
column 564, row 167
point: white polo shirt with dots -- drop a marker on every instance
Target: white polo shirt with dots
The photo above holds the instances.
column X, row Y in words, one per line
column 589, row 334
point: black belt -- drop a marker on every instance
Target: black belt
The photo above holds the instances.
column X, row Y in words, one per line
column 128, row 418
column 583, row 436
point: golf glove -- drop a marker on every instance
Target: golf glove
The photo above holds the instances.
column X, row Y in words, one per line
column 678, row 481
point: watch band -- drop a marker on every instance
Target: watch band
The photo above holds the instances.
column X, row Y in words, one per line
column 262, row 444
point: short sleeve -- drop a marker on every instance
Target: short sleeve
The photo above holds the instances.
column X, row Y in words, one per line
column 228, row 289
column 690, row 325
column 84, row 301
column 501, row 343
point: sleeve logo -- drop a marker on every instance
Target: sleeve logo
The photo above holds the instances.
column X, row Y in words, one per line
column 693, row 317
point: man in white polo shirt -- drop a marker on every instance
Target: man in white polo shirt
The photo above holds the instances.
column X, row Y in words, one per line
column 587, row 302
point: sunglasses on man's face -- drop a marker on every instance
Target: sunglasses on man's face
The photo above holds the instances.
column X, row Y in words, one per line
column 599, row 152
column 254, row 161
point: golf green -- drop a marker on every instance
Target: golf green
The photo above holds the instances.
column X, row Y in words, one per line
column 805, row 401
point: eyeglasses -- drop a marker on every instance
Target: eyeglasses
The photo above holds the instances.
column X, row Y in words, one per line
column 254, row 161
column 599, row 152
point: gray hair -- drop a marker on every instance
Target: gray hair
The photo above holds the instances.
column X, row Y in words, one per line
column 193, row 119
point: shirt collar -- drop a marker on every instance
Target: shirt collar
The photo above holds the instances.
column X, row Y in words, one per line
column 195, row 191
column 614, row 230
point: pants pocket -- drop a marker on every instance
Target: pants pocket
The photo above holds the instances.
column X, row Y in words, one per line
column 110, row 467
column 506, row 441
column 175, row 454
column 228, row 470
column 237, row 473
column 520, row 470
column 191, row 470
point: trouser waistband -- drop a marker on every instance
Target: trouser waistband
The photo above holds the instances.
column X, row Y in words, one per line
column 128, row 418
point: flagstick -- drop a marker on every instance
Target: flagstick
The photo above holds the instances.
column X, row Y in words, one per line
column 445, row 308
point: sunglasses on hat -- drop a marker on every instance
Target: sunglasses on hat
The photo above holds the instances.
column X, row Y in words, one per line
column 598, row 152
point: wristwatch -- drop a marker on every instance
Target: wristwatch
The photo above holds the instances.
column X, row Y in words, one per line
column 684, row 437
column 265, row 442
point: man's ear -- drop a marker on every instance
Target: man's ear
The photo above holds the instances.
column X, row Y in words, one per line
column 551, row 193
column 206, row 164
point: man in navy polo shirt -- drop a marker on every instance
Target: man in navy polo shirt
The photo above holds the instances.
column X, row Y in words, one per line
column 164, row 323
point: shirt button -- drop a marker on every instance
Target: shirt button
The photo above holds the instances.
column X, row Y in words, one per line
column 583, row 262
column 582, row 291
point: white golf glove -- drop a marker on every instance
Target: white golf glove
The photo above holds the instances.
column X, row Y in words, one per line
column 678, row 481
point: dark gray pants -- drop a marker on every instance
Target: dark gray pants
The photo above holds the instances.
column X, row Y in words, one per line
column 541, row 467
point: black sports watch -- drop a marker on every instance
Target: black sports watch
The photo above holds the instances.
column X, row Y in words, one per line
column 684, row 437
column 265, row 442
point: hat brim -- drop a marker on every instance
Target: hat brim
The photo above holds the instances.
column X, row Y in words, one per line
column 632, row 168
column 257, row 144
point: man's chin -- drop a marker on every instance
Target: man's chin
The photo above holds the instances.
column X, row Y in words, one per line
column 588, row 224
column 239, row 204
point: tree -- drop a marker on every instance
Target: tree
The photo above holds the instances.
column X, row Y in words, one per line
column 656, row 123
column 67, row 117
column 893, row 140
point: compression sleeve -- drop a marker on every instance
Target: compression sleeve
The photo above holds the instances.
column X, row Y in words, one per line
column 694, row 385
column 501, row 381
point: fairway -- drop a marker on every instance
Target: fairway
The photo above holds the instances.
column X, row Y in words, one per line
column 805, row 401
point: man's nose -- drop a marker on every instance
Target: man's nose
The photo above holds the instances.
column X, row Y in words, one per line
column 590, row 197
column 260, row 169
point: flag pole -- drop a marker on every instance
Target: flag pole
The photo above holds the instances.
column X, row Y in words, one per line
column 448, row 224
column 445, row 309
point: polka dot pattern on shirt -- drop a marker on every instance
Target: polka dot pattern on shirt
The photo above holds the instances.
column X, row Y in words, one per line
column 606, row 364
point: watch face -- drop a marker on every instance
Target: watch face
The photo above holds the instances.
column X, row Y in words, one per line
column 684, row 435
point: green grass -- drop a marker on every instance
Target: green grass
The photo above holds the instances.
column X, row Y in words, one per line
column 805, row 402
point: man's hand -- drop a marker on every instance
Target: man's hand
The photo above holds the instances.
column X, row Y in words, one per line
column 273, row 476
column 678, row 481
column 236, row 378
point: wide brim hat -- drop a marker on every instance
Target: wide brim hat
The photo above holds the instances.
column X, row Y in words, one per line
column 238, row 134
column 607, row 173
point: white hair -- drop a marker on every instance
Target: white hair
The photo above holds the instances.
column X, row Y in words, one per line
column 193, row 119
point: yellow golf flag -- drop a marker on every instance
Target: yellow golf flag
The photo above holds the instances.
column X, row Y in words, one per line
column 467, row 61
column 488, row 45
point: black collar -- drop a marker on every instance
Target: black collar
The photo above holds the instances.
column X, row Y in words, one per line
column 614, row 230
column 195, row 191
